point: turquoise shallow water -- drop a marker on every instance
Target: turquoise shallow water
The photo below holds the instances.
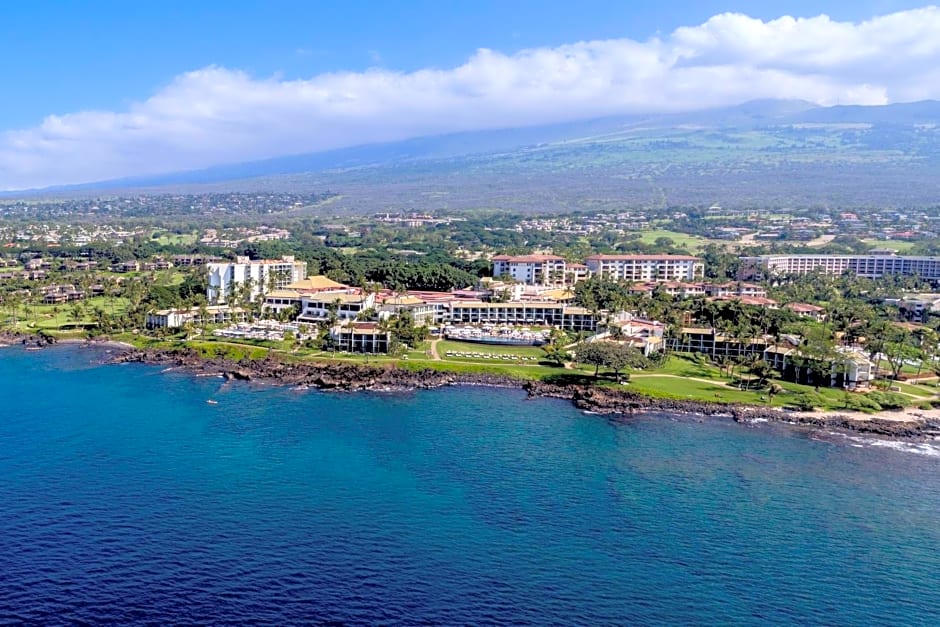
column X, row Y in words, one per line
column 126, row 498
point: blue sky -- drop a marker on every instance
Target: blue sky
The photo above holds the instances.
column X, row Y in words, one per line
column 68, row 55
column 96, row 90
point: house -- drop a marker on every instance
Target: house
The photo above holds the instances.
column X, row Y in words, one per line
column 806, row 310
column 126, row 266
column 57, row 294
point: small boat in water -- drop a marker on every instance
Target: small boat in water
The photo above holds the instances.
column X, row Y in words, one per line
column 212, row 402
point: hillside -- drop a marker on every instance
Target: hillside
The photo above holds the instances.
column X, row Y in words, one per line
column 763, row 153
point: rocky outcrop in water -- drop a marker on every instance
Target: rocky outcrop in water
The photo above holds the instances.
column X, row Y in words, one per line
column 27, row 339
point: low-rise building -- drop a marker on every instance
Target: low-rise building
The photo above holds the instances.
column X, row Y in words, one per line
column 423, row 313
column 851, row 370
column 360, row 337
column 712, row 342
column 346, row 305
column 548, row 313
column 57, row 294
column 213, row 314
column 806, row 310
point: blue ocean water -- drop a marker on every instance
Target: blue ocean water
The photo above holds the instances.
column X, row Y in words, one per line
column 126, row 498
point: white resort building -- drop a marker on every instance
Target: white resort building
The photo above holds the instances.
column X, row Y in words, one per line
column 870, row 266
column 263, row 276
column 531, row 269
column 213, row 314
column 647, row 268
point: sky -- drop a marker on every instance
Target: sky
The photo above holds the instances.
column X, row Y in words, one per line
column 98, row 90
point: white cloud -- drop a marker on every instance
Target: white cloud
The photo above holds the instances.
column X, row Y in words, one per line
column 216, row 115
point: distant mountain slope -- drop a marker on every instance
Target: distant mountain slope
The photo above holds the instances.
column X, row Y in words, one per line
column 762, row 153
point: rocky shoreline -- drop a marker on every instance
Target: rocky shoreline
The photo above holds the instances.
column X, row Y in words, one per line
column 26, row 339
column 360, row 377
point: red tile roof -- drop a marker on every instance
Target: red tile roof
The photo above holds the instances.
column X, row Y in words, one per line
column 642, row 258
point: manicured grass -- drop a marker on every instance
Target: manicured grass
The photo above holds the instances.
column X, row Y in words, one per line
column 684, row 240
column 682, row 388
column 517, row 371
column 177, row 239
column 686, row 366
column 902, row 246
column 492, row 349
column 59, row 317
column 229, row 350
column 916, row 390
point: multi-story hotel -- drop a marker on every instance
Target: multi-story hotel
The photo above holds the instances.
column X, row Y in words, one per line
column 871, row 266
column 531, row 269
column 554, row 270
column 263, row 276
column 554, row 314
column 647, row 267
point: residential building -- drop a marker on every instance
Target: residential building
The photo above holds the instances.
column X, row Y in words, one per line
column 646, row 268
column 261, row 276
column 806, row 310
column 735, row 288
column 57, row 294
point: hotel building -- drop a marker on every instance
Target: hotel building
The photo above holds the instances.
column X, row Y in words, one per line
column 264, row 275
column 646, row 268
column 870, row 266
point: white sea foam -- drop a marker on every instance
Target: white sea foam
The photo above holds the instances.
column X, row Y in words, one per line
column 918, row 448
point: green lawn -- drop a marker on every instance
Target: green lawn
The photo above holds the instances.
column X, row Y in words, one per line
column 902, row 246
column 686, row 366
column 59, row 317
column 177, row 239
column 916, row 390
column 684, row 240
column 492, row 349
column 681, row 388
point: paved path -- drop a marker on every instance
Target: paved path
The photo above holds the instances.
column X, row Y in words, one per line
column 434, row 354
column 637, row 375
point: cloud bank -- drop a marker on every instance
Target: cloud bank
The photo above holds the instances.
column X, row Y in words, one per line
column 218, row 115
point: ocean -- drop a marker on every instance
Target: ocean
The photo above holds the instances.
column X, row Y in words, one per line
column 126, row 498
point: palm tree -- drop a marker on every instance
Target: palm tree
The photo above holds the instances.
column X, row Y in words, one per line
column 773, row 390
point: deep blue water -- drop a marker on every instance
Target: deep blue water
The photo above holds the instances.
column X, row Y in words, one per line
column 126, row 498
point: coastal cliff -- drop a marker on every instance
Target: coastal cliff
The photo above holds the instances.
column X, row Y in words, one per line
column 343, row 376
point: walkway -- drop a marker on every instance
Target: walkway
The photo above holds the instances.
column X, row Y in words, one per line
column 433, row 350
